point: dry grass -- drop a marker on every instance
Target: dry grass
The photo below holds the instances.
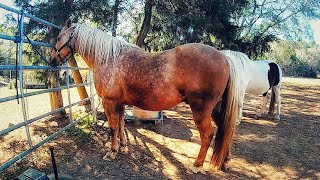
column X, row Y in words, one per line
column 265, row 148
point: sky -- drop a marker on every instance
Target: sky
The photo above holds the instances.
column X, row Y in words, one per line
column 2, row 11
column 315, row 24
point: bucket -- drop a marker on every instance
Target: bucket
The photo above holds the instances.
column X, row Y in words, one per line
column 144, row 114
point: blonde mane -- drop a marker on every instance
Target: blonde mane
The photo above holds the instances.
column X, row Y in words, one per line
column 99, row 44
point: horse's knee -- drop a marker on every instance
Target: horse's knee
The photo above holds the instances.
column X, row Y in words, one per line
column 113, row 125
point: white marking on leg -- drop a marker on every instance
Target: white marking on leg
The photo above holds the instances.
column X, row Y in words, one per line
column 278, row 101
column 264, row 105
column 242, row 94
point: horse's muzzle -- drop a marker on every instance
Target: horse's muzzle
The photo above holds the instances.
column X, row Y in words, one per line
column 54, row 62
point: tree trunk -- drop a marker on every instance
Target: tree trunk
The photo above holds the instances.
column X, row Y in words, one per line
column 115, row 17
column 78, row 80
column 56, row 97
column 146, row 23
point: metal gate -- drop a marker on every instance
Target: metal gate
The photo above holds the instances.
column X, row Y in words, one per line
column 22, row 95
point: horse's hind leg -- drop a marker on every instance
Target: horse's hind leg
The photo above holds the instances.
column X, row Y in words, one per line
column 266, row 97
column 217, row 118
column 277, row 91
column 242, row 94
column 202, row 118
column 113, row 111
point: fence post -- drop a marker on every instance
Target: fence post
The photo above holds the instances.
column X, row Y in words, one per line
column 68, row 90
column 23, row 103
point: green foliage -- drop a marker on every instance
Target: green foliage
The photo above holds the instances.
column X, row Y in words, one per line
column 260, row 22
column 287, row 18
column 82, row 130
column 296, row 58
column 7, row 48
column 12, row 84
column 245, row 25
column 58, row 12
column 179, row 22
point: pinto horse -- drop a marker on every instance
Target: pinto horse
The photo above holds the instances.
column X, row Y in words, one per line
column 124, row 74
column 257, row 78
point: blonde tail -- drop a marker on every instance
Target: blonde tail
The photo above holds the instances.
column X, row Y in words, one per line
column 227, row 122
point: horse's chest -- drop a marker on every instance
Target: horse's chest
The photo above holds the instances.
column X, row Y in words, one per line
column 107, row 84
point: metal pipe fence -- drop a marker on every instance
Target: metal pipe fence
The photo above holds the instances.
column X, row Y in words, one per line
column 21, row 68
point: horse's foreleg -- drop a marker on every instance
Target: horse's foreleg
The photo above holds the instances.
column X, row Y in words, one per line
column 264, row 105
column 112, row 110
column 202, row 119
column 240, row 108
column 123, row 140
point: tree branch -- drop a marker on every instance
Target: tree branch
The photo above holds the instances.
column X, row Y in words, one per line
column 115, row 17
column 279, row 22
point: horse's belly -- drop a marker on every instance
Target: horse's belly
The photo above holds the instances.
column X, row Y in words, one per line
column 160, row 99
column 257, row 88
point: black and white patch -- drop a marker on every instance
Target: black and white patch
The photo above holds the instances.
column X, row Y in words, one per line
column 273, row 76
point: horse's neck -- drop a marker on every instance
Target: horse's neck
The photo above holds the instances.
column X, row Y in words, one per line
column 87, row 58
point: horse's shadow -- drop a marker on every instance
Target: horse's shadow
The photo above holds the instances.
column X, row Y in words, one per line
column 281, row 144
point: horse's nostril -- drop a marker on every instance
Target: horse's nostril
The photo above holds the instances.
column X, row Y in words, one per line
column 53, row 62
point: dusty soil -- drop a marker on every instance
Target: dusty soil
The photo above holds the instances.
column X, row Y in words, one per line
column 264, row 148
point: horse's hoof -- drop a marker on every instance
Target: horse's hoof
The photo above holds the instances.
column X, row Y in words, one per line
column 193, row 169
column 277, row 117
column 225, row 167
column 238, row 122
column 111, row 155
column 214, row 168
column 124, row 149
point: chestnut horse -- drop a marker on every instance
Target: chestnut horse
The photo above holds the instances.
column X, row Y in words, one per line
column 124, row 74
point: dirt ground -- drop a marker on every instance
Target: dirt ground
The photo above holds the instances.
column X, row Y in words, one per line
column 261, row 149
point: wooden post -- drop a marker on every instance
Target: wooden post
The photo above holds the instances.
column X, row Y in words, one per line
column 78, row 80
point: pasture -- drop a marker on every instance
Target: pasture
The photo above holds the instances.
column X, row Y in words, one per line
column 264, row 148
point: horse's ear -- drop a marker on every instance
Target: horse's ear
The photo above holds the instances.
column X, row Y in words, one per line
column 68, row 23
